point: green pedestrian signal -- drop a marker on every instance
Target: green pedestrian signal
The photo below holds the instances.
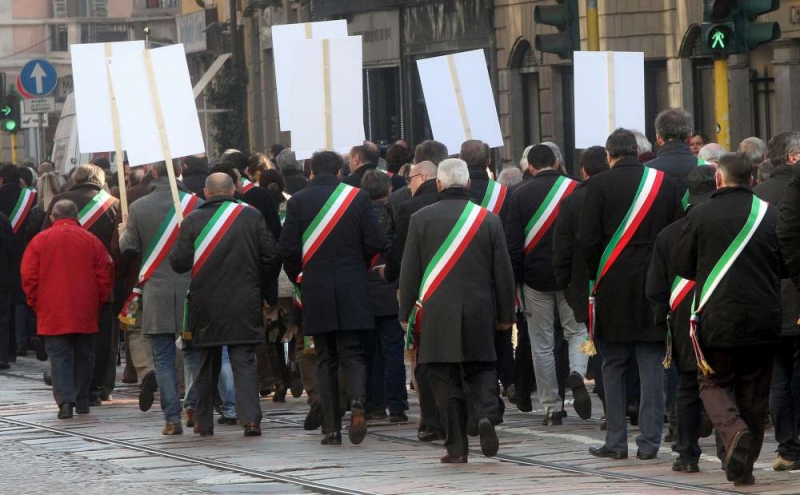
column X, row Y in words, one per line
column 10, row 115
column 729, row 26
column 720, row 38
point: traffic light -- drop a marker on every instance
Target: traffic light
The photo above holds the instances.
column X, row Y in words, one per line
column 10, row 115
column 751, row 34
column 563, row 17
column 718, row 36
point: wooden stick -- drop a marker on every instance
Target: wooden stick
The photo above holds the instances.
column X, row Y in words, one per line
column 162, row 132
column 462, row 108
column 612, row 105
column 123, row 194
column 326, row 93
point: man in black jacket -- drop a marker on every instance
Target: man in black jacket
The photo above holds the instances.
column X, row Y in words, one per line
column 673, row 129
column 333, row 255
column 194, row 170
column 730, row 248
column 671, row 298
column 784, row 152
column 529, row 234
column 6, row 250
column 233, row 259
column 364, row 158
column 618, row 253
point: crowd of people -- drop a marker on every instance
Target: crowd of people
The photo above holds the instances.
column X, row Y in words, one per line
column 667, row 278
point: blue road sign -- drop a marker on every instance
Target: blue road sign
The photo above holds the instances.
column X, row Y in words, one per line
column 38, row 78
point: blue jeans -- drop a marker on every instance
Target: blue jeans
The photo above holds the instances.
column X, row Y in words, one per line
column 651, row 406
column 71, row 365
column 386, row 370
column 191, row 366
column 164, row 357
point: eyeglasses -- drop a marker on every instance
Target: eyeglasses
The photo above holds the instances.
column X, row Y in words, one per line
column 411, row 177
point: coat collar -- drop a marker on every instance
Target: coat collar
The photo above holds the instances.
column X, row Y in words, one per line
column 478, row 173
column 722, row 191
column 628, row 161
column 550, row 172
column 784, row 170
column 324, row 180
column 66, row 221
column 674, row 147
column 453, row 193
column 86, row 185
column 427, row 187
column 216, row 200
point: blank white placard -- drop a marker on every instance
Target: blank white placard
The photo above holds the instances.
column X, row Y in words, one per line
column 92, row 100
column 140, row 135
column 346, row 96
column 442, row 103
column 282, row 38
column 596, row 89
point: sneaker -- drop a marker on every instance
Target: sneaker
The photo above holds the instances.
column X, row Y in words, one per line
column 583, row 402
column 172, row 429
column 782, row 464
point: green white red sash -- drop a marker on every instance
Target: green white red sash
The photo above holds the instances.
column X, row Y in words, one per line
column 95, row 208
column 320, row 228
column 758, row 209
column 685, row 198
column 213, row 232
column 27, row 196
column 519, row 298
column 155, row 254
column 442, row 263
column 649, row 187
column 546, row 214
column 494, row 197
column 247, row 184
column 681, row 288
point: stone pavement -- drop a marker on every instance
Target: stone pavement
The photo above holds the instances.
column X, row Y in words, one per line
column 118, row 449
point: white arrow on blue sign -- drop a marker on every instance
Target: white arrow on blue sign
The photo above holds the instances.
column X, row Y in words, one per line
column 36, row 79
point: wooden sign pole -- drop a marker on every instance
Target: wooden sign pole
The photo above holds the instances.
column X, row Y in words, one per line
column 162, row 132
column 123, row 194
column 462, row 107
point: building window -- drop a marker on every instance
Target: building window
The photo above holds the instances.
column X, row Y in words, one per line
column 103, row 33
column 382, row 113
column 59, row 40
column 161, row 4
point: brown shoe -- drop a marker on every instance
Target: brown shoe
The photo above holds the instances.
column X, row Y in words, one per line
column 190, row 418
column 252, row 430
column 172, row 429
column 358, row 423
column 202, row 432
column 453, row 459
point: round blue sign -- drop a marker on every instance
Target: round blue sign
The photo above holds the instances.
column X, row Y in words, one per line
column 38, row 78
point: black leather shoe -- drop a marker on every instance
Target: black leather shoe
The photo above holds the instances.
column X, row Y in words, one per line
column 334, row 438
column 524, row 404
column 4, row 366
column 453, row 459
column 296, row 383
column 48, row 378
column 358, row 423
column 706, row 426
column 95, row 401
column 583, row 402
column 739, row 455
column 81, row 409
column 685, row 466
column 398, row 418
column 264, row 393
column 280, row 393
column 489, row 442
column 745, row 480
column 65, row 410
column 645, row 457
column 313, row 419
column 147, row 391
column 252, row 430
column 429, row 436
column 553, row 419
column 227, row 421
column 602, row 451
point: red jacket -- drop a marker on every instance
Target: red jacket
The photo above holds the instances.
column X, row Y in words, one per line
column 67, row 274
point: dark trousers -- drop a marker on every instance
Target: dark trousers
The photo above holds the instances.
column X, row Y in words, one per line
column 334, row 349
column 504, row 349
column 106, row 346
column 785, row 397
column 449, row 382
column 386, row 371
column 596, row 365
column 736, row 396
column 5, row 326
column 24, row 325
column 689, row 409
column 429, row 419
column 71, row 365
column 524, row 379
column 245, row 382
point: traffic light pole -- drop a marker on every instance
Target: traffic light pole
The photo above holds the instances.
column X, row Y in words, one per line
column 721, row 104
column 14, row 149
column 592, row 26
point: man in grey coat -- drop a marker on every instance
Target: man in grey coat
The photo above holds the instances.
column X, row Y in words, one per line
column 455, row 321
column 163, row 297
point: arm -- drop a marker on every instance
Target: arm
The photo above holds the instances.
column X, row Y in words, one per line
column 374, row 237
column 684, row 253
column 410, row 272
column 590, row 229
column 515, row 238
column 182, row 256
column 269, row 259
column 503, row 277
column 103, row 270
column 789, row 228
column 291, row 246
column 395, row 256
column 658, row 284
column 29, row 270
column 564, row 243
column 130, row 240
column 271, row 216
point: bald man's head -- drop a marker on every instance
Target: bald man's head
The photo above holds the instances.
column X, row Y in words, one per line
column 420, row 173
column 219, row 184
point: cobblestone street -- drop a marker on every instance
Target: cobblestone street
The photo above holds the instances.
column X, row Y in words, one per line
column 117, row 449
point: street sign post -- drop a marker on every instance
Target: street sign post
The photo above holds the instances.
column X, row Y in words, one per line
column 37, row 78
column 32, row 121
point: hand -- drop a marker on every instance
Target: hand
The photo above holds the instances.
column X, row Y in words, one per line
column 504, row 326
column 121, row 227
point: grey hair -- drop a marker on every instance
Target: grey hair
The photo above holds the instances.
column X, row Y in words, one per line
column 453, row 172
column 765, row 170
column 755, row 149
column 64, row 208
column 556, row 151
column 644, row 144
column 219, row 183
column 428, row 168
column 783, row 145
column 711, row 152
column 88, row 173
column 510, row 176
column 287, row 162
column 523, row 162
column 675, row 123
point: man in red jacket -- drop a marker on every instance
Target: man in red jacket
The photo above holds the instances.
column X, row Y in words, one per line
column 67, row 274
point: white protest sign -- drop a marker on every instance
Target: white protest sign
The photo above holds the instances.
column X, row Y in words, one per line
column 459, row 98
column 609, row 93
column 282, row 38
column 137, row 110
column 330, row 114
column 92, row 96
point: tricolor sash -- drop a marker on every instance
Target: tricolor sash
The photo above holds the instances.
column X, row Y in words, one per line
column 546, row 214
column 27, row 196
column 213, row 233
column 156, row 252
column 320, row 228
column 494, row 197
column 680, row 289
column 685, row 198
column 519, row 298
column 95, row 208
column 646, row 194
column 758, row 209
column 446, row 257
column 247, row 184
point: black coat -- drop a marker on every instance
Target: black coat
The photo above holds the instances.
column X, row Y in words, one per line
column 225, row 296
column 194, row 178
column 335, row 289
column 675, row 158
column 745, row 309
column 535, row 268
column 570, row 268
column 460, row 318
column 354, row 179
column 772, row 191
column 623, row 311
column 261, row 200
column 659, row 287
column 295, row 181
column 6, row 253
column 9, row 195
column 382, row 293
column 396, row 198
column 425, row 195
column 105, row 228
